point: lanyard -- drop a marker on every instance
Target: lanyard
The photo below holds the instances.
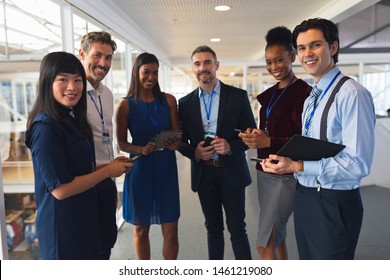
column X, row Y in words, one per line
column 97, row 109
column 308, row 119
column 154, row 120
column 270, row 104
column 208, row 112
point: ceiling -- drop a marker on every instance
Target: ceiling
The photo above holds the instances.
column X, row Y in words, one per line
column 172, row 29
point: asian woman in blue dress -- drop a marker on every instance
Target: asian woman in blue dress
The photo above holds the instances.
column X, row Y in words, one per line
column 150, row 190
column 61, row 144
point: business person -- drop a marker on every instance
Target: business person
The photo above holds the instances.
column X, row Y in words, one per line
column 151, row 189
column 61, row 144
column 96, row 52
column 328, row 210
column 219, row 172
column 280, row 118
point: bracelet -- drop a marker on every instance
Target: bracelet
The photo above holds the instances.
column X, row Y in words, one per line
column 300, row 165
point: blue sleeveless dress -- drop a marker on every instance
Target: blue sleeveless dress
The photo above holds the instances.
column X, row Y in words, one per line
column 151, row 189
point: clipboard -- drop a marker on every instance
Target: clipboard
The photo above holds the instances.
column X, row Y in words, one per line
column 165, row 134
column 300, row 147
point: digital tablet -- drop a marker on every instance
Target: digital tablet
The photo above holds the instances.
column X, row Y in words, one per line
column 300, row 147
column 165, row 134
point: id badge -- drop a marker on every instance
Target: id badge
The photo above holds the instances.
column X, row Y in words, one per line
column 106, row 136
column 208, row 134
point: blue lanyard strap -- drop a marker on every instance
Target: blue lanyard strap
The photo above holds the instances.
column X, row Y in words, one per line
column 270, row 104
column 308, row 119
column 97, row 109
column 208, row 112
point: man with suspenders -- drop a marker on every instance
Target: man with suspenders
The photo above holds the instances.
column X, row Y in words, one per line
column 328, row 210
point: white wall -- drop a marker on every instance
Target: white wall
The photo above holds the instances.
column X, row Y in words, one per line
column 380, row 167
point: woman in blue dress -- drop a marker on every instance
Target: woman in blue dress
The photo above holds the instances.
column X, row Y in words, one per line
column 61, row 144
column 150, row 191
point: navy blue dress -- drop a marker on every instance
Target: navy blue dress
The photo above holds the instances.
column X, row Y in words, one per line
column 68, row 228
column 151, row 189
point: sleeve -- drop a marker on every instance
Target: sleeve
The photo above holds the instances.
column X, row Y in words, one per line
column 48, row 152
column 247, row 120
column 185, row 148
column 356, row 116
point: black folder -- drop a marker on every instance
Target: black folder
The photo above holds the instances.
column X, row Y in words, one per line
column 300, row 147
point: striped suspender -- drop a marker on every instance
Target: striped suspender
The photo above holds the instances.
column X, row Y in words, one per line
column 324, row 117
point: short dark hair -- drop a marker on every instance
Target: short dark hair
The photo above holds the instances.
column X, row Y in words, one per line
column 134, row 90
column 388, row 110
column 97, row 37
column 204, row 48
column 327, row 27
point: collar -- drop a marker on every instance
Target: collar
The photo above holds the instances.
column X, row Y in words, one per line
column 90, row 87
column 217, row 89
column 325, row 80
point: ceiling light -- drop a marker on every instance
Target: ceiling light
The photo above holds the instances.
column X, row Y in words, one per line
column 215, row 39
column 222, row 8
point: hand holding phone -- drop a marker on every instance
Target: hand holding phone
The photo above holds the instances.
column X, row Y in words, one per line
column 133, row 159
column 207, row 141
column 256, row 159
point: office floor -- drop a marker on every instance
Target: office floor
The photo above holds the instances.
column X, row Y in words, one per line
column 374, row 242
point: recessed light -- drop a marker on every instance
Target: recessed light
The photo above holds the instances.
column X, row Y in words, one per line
column 222, row 8
column 215, row 39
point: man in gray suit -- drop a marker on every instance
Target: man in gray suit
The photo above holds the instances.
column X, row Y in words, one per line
column 219, row 171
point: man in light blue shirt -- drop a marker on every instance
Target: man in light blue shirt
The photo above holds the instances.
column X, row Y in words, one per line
column 328, row 210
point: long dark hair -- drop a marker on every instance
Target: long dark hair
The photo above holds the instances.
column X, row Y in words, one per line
column 53, row 64
column 135, row 89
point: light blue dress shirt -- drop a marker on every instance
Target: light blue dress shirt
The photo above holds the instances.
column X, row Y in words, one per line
column 214, row 108
column 210, row 122
column 351, row 121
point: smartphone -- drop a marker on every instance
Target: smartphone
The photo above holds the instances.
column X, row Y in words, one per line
column 256, row 159
column 135, row 158
column 207, row 141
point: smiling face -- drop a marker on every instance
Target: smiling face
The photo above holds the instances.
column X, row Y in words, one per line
column 279, row 62
column 315, row 53
column 68, row 89
column 148, row 75
column 97, row 62
column 205, row 67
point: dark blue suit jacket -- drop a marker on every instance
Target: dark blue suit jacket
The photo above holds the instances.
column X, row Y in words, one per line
column 234, row 112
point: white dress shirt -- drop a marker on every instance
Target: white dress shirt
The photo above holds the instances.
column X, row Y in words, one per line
column 104, row 152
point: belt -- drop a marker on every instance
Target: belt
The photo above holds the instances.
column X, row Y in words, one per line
column 213, row 162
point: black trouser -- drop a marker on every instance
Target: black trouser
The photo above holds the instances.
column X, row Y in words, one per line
column 214, row 195
column 327, row 223
column 107, row 203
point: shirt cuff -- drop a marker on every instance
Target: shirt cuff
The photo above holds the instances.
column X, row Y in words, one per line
column 311, row 167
